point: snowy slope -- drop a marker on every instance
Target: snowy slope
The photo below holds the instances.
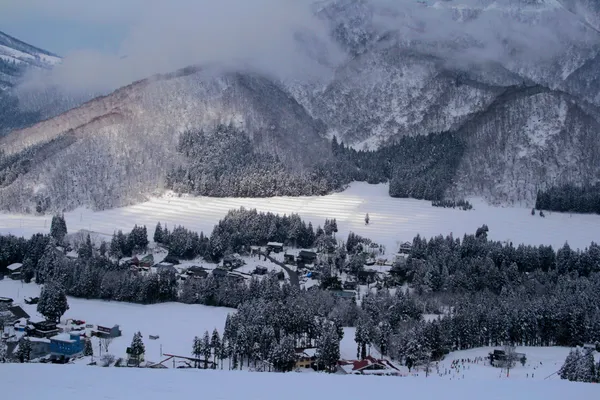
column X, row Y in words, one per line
column 70, row 382
column 392, row 220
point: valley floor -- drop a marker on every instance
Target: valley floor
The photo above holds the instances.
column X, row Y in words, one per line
column 176, row 325
column 392, row 220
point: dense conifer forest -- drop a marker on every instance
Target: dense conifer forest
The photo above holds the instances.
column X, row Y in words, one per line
column 570, row 198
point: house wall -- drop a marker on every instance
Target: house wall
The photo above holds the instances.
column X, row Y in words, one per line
column 66, row 349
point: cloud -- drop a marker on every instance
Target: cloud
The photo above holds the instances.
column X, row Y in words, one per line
column 285, row 39
column 165, row 36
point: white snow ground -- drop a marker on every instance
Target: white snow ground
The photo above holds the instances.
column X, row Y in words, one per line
column 392, row 220
column 175, row 323
column 70, row 382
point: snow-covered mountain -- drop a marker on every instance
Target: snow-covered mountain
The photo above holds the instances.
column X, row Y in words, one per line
column 16, row 57
column 515, row 79
column 115, row 149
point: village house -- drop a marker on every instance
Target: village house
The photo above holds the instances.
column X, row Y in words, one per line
column 13, row 314
column 40, row 347
column 260, row 270
column 306, row 257
column 232, row 261
column 197, row 272
column 289, row 259
column 367, row 276
column 165, row 267
column 219, row 272
column 6, row 301
column 305, row 357
column 275, row 247
column 350, row 285
column 147, row 261
column 66, row 346
column 15, row 270
column 369, row 366
column 42, row 329
column 405, row 248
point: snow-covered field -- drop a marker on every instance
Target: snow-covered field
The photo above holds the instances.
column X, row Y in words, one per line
column 175, row 323
column 392, row 220
column 69, row 382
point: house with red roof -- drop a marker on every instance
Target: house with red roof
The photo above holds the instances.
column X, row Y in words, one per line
column 369, row 366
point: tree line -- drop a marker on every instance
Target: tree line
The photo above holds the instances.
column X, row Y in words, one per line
column 570, row 198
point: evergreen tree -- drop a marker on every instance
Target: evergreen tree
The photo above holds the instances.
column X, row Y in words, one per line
column 215, row 344
column 328, row 347
column 86, row 250
column 23, row 353
column 569, row 369
column 206, row 349
column 158, row 234
column 283, row 356
column 197, row 350
column 586, row 369
column 103, row 249
column 53, row 302
column 334, row 227
column 88, row 349
column 58, row 228
column 137, row 348
column 3, row 351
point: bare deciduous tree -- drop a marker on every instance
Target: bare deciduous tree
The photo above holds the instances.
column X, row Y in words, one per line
column 105, row 343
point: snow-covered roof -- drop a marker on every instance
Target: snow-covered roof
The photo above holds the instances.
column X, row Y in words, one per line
column 14, row 267
column 310, row 352
column 275, row 244
column 63, row 337
column 38, row 340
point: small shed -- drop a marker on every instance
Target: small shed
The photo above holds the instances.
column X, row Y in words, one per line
column 260, row 270
column 289, row 259
column 105, row 332
column 275, row 247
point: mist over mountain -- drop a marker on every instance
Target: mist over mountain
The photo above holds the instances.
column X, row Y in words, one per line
column 514, row 81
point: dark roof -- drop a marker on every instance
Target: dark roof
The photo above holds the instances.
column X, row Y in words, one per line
column 45, row 325
column 308, row 254
column 18, row 312
column 219, row 271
